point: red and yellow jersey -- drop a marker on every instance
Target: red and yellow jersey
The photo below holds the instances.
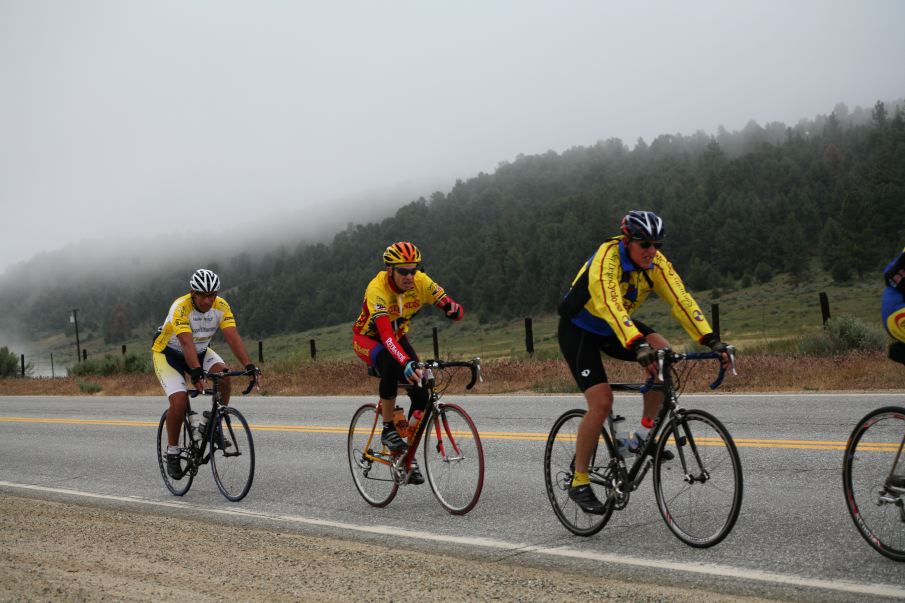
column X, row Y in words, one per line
column 618, row 287
column 184, row 318
column 382, row 299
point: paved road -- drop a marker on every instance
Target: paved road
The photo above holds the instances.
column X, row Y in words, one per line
column 794, row 537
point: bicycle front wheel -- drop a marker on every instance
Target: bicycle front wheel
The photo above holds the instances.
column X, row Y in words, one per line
column 559, row 468
column 177, row 486
column 454, row 459
column 232, row 454
column 699, row 491
column 872, row 456
column 369, row 461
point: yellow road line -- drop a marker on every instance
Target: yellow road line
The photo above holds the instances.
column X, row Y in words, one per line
column 485, row 435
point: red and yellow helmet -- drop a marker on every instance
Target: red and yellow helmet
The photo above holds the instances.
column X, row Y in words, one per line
column 402, row 252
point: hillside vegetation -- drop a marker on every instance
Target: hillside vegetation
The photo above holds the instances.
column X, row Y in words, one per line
column 817, row 206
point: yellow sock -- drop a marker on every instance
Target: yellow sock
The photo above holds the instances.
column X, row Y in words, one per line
column 580, row 479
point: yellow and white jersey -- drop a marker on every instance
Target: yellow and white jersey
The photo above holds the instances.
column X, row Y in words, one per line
column 184, row 318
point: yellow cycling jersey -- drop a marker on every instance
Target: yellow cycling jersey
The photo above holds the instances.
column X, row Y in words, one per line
column 618, row 287
column 381, row 299
column 184, row 318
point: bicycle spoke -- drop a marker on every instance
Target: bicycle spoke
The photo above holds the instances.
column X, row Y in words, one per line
column 177, row 486
column 703, row 512
column 871, row 457
column 559, row 466
column 368, row 461
column 232, row 454
column 454, row 459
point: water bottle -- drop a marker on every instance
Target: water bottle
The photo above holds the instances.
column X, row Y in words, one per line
column 195, row 425
column 636, row 441
column 402, row 424
column 416, row 419
column 202, row 424
column 620, row 440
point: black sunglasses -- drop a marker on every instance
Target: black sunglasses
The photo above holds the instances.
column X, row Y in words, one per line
column 405, row 271
column 645, row 244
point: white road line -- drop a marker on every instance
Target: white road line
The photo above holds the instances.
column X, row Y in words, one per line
column 724, row 571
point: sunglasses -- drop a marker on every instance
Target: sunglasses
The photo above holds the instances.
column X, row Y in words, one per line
column 405, row 271
column 645, row 244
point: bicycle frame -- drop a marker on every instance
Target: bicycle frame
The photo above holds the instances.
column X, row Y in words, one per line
column 202, row 450
column 629, row 478
column 402, row 463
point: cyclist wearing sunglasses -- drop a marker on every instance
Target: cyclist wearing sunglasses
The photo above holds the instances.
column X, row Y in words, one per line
column 596, row 316
column 391, row 300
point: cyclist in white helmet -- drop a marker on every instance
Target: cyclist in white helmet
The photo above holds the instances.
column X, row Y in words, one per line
column 596, row 316
column 181, row 347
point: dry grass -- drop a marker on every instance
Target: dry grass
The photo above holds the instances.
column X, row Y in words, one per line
column 757, row 373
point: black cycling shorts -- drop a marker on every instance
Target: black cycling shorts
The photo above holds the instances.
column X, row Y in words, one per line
column 581, row 349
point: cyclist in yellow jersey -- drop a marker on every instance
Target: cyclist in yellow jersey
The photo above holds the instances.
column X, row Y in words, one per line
column 182, row 347
column 596, row 317
column 893, row 312
column 391, row 300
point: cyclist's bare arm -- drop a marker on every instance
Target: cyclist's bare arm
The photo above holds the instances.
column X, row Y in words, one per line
column 235, row 343
column 191, row 354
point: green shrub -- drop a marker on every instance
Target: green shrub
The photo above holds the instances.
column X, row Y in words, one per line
column 9, row 363
column 88, row 387
column 112, row 365
column 844, row 333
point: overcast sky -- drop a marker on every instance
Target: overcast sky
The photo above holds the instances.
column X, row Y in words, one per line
column 131, row 119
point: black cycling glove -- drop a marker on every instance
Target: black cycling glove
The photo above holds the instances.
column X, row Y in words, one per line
column 644, row 354
column 197, row 374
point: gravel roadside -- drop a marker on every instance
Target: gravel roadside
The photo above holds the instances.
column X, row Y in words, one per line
column 62, row 551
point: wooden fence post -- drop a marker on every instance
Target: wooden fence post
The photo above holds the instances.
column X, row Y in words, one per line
column 529, row 337
column 436, row 344
column 824, row 307
column 313, row 350
column 260, row 351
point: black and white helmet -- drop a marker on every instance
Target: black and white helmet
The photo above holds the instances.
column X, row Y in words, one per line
column 645, row 225
column 205, row 281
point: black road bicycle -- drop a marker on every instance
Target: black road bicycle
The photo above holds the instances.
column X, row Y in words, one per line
column 699, row 490
column 453, row 455
column 225, row 441
column 873, row 477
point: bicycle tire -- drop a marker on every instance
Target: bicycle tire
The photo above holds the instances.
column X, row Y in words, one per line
column 878, row 513
column 559, row 465
column 454, row 459
column 700, row 511
column 373, row 480
column 232, row 454
column 181, row 486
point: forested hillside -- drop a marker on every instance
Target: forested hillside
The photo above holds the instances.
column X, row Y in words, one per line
column 738, row 207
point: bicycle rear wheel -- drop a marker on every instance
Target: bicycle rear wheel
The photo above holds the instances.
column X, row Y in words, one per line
column 369, row 460
column 559, row 467
column 873, row 454
column 454, row 459
column 699, row 492
column 177, row 486
column 232, row 454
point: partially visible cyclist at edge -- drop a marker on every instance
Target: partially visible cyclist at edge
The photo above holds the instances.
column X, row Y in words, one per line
column 893, row 311
column 596, row 317
column 391, row 300
column 182, row 347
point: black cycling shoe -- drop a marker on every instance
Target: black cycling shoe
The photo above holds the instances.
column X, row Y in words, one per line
column 897, row 482
column 392, row 440
column 415, row 476
column 174, row 468
column 223, row 442
column 584, row 497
